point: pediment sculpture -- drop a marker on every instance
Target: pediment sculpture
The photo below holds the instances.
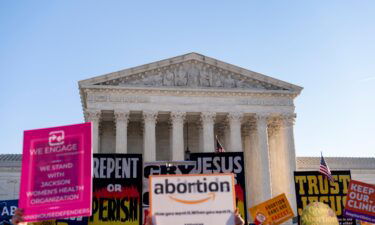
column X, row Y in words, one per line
column 191, row 74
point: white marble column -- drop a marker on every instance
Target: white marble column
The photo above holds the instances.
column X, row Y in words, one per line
column 277, row 164
column 121, row 118
column 200, row 135
column 260, row 177
column 208, row 119
column 248, row 163
column 178, row 135
column 287, row 139
column 93, row 115
column 235, row 119
column 170, row 131
column 226, row 135
column 149, row 138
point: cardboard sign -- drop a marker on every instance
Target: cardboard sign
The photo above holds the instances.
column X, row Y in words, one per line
column 225, row 162
column 162, row 168
column 117, row 196
column 192, row 199
column 360, row 201
column 274, row 211
column 7, row 209
column 56, row 179
column 312, row 186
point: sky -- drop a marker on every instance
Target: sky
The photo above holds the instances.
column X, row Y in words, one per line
column 327, row 47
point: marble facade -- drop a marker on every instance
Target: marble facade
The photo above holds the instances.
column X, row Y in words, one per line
column 160, row 109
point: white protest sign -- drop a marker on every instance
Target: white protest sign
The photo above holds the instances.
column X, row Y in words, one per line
column 192, row 199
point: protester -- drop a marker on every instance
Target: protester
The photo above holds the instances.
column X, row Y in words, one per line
column 17, row 218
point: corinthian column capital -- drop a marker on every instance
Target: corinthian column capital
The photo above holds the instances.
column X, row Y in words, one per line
column 150, row 116
column 287, row 120
column 121, row 116
column 235, row 117
column 261, row 119
column 208, row 117
column 92, row 115
column 178, row 116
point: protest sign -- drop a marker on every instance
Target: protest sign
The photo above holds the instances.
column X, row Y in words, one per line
column 7, row 209
column 225, row 162
column 360, row 201
column 162, row 168
column 274, row 211
column 312, row 186
column 68, row 221
column 56, row 179
column 117, row 189
column 192, row 199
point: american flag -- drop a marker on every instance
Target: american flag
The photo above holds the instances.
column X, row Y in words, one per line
column 324, row 169
column 219, row 147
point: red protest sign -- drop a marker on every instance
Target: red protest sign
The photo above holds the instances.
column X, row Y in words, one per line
column 360, row 201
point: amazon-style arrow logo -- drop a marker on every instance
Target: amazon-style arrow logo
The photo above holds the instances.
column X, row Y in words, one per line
column 190, row 202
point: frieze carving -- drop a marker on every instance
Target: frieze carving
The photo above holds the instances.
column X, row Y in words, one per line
column 192, row 74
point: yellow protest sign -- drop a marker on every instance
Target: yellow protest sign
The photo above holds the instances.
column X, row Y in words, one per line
column 274, row 211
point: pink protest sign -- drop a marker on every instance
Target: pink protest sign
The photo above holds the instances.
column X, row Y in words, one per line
column 56, row 179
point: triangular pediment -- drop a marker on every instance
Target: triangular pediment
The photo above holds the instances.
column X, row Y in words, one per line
column 191, row 71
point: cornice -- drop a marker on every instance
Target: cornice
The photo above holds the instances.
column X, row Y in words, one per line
column 186, row 91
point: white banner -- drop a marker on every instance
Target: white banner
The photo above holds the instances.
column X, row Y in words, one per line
column 202, row 199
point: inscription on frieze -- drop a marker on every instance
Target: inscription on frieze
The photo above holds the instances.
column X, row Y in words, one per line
column 117, row 98
column 146, row 99
column 266, row 102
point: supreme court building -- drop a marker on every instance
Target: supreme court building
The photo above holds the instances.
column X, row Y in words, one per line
column 163, row 108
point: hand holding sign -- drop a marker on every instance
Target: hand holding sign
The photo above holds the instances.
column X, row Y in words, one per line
column 17, row 218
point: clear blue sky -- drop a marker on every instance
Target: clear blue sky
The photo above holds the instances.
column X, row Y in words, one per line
column 328, row 47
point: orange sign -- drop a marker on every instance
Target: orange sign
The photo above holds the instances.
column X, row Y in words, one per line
column 274, row 211
column 366, row 223
column 360, row 201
